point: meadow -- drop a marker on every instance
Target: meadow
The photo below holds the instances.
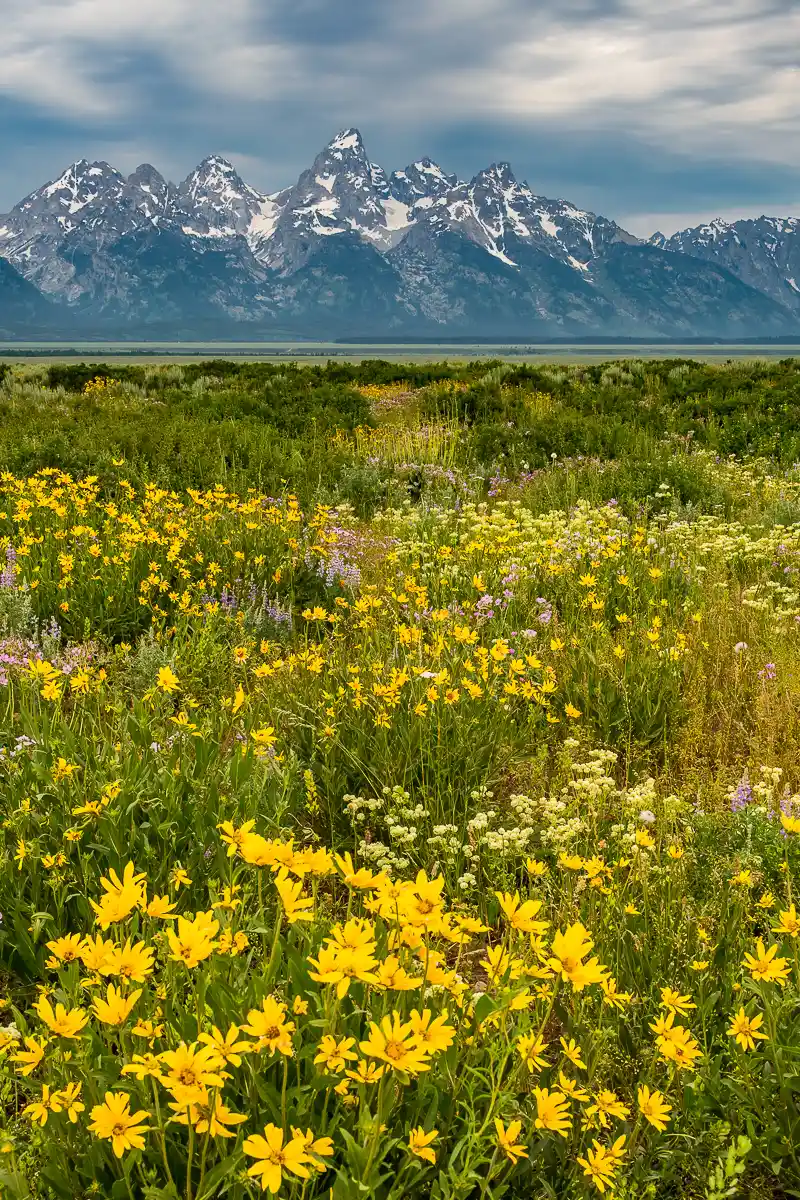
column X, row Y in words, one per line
column 400, row 780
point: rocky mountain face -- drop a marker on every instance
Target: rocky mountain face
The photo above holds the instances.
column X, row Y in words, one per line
column 350, row 249
column 763, row 253
column 24, row 311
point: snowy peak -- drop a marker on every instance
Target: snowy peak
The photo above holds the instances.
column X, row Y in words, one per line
column 216, row 201
column 82, row 184
column 345, row 155
column 423, row 180
column 343, row 192
column 498, row 175
column 216, row 176
column 344, row 161
column 349, row 141
column 82, row 175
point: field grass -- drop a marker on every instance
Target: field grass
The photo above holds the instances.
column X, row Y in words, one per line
column 320, row 353
column 400, row 780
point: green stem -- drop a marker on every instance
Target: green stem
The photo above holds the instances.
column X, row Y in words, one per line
column 283, row 1091
column 189, row 1157
column 161, row 1137
column 377, row 1129
column 204, row 1151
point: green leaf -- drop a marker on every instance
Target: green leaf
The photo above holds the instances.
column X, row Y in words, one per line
column 483, row 1007
column 218, row 1174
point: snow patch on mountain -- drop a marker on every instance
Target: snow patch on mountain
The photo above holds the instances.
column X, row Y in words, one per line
column 398, row 215
column 348, row 139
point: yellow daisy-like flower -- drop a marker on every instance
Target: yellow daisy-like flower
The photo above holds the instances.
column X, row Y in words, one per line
column 420, row 1143
column 508, row 1139
column 765, row 965
column 746, row 1030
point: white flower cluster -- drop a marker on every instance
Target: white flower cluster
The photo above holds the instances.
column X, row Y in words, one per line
column 381, row 856
column 446, row 840
column 396, row 832
column 764, row 789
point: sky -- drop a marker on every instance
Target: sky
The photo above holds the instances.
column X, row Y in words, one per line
column 658, row 115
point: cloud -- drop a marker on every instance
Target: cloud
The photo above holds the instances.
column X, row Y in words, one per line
column 641, row 107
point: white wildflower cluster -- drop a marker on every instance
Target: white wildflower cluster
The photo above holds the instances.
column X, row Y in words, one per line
column 775, row 598
column 639, row 799
column 393, row 816
column 398, row 817
column 487, row 836
column 446, row 841
column 360, row 808
column 592, row 783
column 401, row 817
column 401, row 835
column 508, row 843
column 765, row 788
column 551, row 815
column 383, row 857
column 526, row 810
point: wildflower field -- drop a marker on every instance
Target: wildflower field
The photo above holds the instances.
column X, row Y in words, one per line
column 400, row 781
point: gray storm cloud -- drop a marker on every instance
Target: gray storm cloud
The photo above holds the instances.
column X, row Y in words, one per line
column 710, row 88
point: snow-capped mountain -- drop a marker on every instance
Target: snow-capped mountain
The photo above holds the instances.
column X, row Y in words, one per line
column 350, row 247
column 342, row 192
column 217, row 202
column 422, row 181
column 764, row 253
column 496, row 212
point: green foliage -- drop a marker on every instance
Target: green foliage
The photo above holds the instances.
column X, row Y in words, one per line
column 725, row 1178
column 524, row 628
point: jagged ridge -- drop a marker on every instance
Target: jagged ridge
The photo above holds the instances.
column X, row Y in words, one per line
column 417, row 250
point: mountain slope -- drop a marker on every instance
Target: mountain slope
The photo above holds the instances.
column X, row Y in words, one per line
column 456, row 284
column 669, row 294
column 764, row 253
column 162, row 275
column 24, row 310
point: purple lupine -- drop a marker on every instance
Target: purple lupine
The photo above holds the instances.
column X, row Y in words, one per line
column 8, row 576
column 743, row 794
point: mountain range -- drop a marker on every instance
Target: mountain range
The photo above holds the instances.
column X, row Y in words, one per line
column 350, row 250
